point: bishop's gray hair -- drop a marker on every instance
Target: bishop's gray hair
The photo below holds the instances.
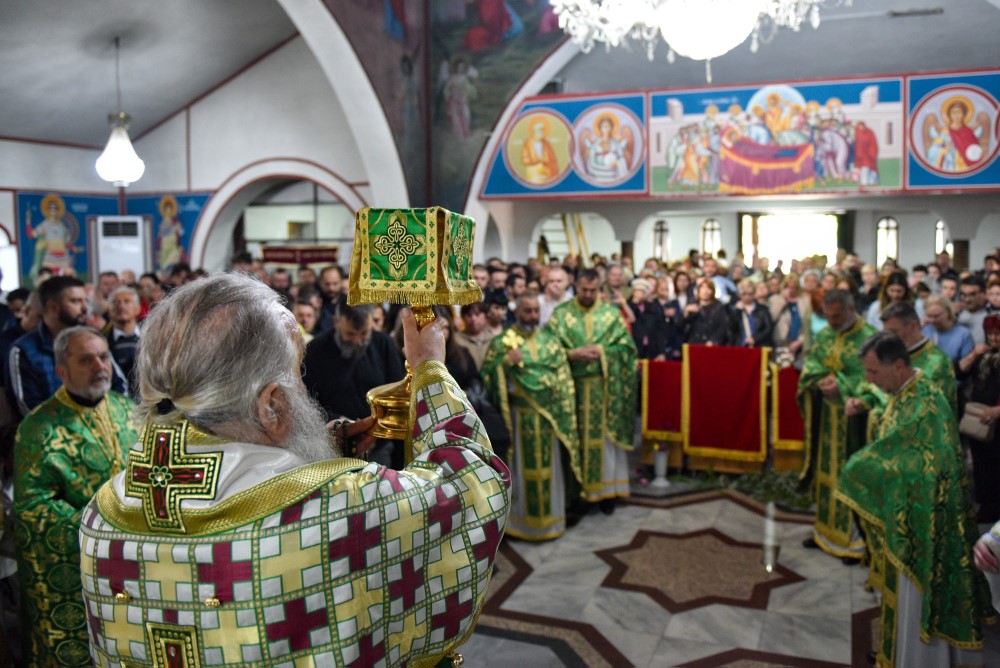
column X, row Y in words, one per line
column 209, row 349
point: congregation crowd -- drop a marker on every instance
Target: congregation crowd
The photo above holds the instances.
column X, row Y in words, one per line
column 546, row 363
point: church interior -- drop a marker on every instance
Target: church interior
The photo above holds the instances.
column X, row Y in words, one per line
column 266, row 124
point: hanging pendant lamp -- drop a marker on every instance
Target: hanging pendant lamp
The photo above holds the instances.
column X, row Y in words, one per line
column 119, row 163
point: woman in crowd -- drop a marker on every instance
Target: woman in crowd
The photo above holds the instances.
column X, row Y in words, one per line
column 752, row 326
column 895, row 288
column 791, row 313
column 683, row 291
column 980, row 371
column 993, row 296
column 649, row 330
column 706, row 322
column 942, row 328
column 674, row 336
column 762, row 292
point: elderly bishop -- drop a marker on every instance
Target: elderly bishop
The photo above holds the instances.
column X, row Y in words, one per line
column 235, row 535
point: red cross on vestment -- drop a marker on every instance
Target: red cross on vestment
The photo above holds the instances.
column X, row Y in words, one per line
column 452, row 616
column 164, row 473
column 116, row 568
column 409, row 583
column 369, row 652
column 297, row 626
column 223, row 571
column 356, row 543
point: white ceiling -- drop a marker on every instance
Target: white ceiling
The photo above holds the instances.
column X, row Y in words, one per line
column 57, row 58
column 57, row 63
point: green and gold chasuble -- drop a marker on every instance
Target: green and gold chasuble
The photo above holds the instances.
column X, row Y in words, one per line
column 910, row 489
column 538, row 403
column 833, row 436
column 64, row 452
column 209, row 552
column 606, row 391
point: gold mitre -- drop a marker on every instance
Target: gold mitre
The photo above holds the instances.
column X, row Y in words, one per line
column 421, row 257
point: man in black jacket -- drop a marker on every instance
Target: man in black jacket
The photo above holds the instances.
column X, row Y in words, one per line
column 342, row 364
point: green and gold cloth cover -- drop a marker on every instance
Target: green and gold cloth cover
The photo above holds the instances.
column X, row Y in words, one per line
column 421, row 257
column 910, row 489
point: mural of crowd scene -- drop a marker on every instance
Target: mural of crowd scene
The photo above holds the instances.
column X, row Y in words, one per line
column 172, row 218
column 481, row 52
column 390, row 34
column 596, row 145
column 52, row 228
column 807, row 137
column 953, row 131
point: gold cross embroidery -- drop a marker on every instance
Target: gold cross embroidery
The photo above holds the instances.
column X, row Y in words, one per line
column 460, row 247
column 164, row 473
column 396, row 244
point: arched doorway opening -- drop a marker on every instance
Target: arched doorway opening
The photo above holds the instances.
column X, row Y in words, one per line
column 212, row 242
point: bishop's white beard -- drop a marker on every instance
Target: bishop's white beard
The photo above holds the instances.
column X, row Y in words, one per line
column 307, row 435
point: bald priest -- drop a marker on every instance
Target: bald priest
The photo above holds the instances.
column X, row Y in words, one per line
column 236, row 536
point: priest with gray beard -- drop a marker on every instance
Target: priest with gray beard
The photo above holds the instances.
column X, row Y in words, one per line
column 236, row 535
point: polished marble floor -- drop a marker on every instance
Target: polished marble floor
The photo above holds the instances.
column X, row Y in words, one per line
column 561, row 603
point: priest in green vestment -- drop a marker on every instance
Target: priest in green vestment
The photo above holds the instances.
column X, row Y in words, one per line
column 528, row 377
column 831, row 374
column 910, row 490
column 901, row 319
column 66, row 448
column 602, row 358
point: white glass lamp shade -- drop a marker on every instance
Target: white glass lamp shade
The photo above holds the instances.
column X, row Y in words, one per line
column 119, row 162
column 706, row 29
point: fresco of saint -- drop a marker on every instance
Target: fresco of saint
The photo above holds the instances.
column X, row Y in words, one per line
column 55, row 237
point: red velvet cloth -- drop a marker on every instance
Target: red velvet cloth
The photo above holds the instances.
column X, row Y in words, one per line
column 790, row 426
column 724, row 406
column 662, row 398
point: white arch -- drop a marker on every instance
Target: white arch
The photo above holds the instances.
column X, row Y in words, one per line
column 367, row 121
column 477, row 208
column 214, row 230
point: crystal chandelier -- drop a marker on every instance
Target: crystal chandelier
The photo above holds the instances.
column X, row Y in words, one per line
column 119, row 162
column 696, row 29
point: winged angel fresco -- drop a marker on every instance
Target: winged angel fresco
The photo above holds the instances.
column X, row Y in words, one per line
column 959, row 139
column 606, row 150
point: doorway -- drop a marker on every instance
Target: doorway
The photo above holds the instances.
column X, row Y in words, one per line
column 788, row 236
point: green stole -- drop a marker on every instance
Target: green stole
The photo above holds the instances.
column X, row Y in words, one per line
column 606, row 389
column 540, row 388
column 909, row 488
column 833, row 436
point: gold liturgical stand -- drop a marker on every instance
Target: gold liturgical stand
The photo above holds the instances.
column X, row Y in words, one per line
column 420, row 257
